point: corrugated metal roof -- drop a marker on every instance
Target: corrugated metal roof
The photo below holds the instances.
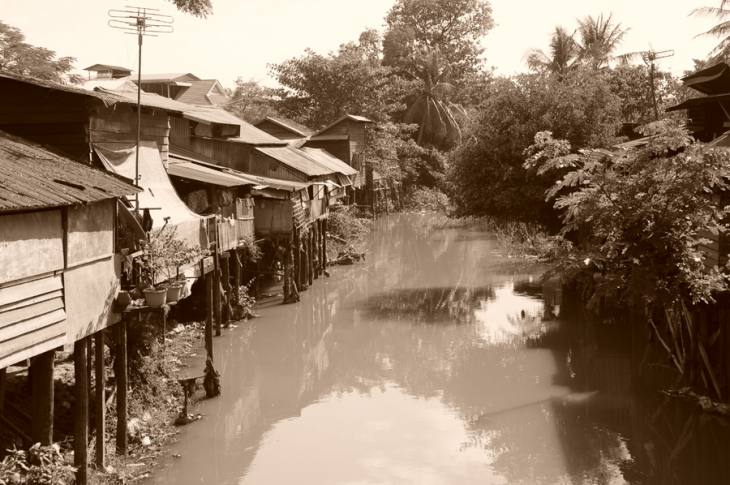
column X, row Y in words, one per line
column 291, row 125
column 168, row 76
column 328, row 160
column 247, row 178
column 198, row 91
column 106, row 67
column 329, row 137
column 699, row 101
column 253, row 136
column 32, row 177
column 296, row 159
column 193, row 171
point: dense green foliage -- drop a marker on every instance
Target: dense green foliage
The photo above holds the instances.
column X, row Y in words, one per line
column 451, row 27
column 486, row 175
column 642, row 213
column 317, row 89
column 23, row 59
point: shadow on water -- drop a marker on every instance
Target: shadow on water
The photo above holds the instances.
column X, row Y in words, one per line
column 436, row 362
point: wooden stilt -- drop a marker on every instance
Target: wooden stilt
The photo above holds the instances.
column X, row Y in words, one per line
column 217, row 293
column 81, row 411
column 305, row 258
column 324, row 244
column 209, row 315
column 226, row 278
column 2, row 391
column 100, row 399
column 121, row 377
column 298, row 270
column 236, row 269
column 42, row 396
column 310, row 254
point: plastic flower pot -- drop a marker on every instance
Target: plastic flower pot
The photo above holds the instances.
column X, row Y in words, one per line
column 155, row 298
column 174, row 292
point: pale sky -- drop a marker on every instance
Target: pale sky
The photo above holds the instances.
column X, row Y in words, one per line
column 243, row 36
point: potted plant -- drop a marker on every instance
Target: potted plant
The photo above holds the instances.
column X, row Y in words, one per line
column 165, row 254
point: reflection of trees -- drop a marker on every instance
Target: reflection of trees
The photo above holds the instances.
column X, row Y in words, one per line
column 428, row 304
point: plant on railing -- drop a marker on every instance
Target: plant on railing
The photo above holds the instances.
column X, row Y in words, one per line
column 164, row 254
column 251, row 251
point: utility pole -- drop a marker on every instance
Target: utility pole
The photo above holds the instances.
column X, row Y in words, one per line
column 140, row 21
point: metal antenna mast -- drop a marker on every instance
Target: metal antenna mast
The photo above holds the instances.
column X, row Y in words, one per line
column 141, row 21
column 649, row 58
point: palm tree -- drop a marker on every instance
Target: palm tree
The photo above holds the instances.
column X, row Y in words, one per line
column 598, row 38
column 722, row 29
column 562, row 57
column 430, row 108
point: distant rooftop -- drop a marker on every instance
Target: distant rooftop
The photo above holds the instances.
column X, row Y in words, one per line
column 290, row 125
column 169, row 77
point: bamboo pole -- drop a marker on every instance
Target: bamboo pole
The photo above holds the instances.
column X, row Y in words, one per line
column 100, row 399
column 324, row 244
column 217, row 291
column 81, row 412
column 209, row 315
column 226, row 277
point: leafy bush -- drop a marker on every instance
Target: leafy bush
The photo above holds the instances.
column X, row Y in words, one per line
column 641, row 215
column 426, row 198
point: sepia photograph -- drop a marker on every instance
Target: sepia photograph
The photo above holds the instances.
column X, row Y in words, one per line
column 364, row 242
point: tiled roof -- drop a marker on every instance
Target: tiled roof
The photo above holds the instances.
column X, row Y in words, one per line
column 32, row 177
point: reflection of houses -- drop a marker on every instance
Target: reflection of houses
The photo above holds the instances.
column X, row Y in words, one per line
column 58, row 270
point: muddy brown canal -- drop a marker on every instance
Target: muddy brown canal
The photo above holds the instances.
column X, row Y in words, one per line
column 435, row 362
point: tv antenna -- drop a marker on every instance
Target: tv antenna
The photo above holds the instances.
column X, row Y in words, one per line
column 650, row 57
column 140, row 21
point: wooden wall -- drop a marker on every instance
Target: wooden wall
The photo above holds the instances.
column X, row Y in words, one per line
column 53, row 118
column 32, row 315
column 91, row 281
column 119, row 124
column 272, row 216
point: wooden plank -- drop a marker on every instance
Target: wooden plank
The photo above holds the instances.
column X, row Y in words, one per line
column 81, row 412
column 27, row 330
column 32, row 301
column 29, row 312
column 51, row 342
column 30, row 289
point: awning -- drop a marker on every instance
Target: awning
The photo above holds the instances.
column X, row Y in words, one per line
column 193, row 171
column 702, row 100
column 247, row 179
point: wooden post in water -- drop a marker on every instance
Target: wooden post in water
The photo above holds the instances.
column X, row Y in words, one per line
column 81, row 411
column 120, row 373
column 236, row 263
column 217, row 291
column 226, row 280
column 315, row 252
column 324, row 244
column 310, row 254
column 100, row 399
column 41, row 374
column 209, row 315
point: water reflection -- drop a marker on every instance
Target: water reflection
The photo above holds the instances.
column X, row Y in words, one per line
column 435, row 362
